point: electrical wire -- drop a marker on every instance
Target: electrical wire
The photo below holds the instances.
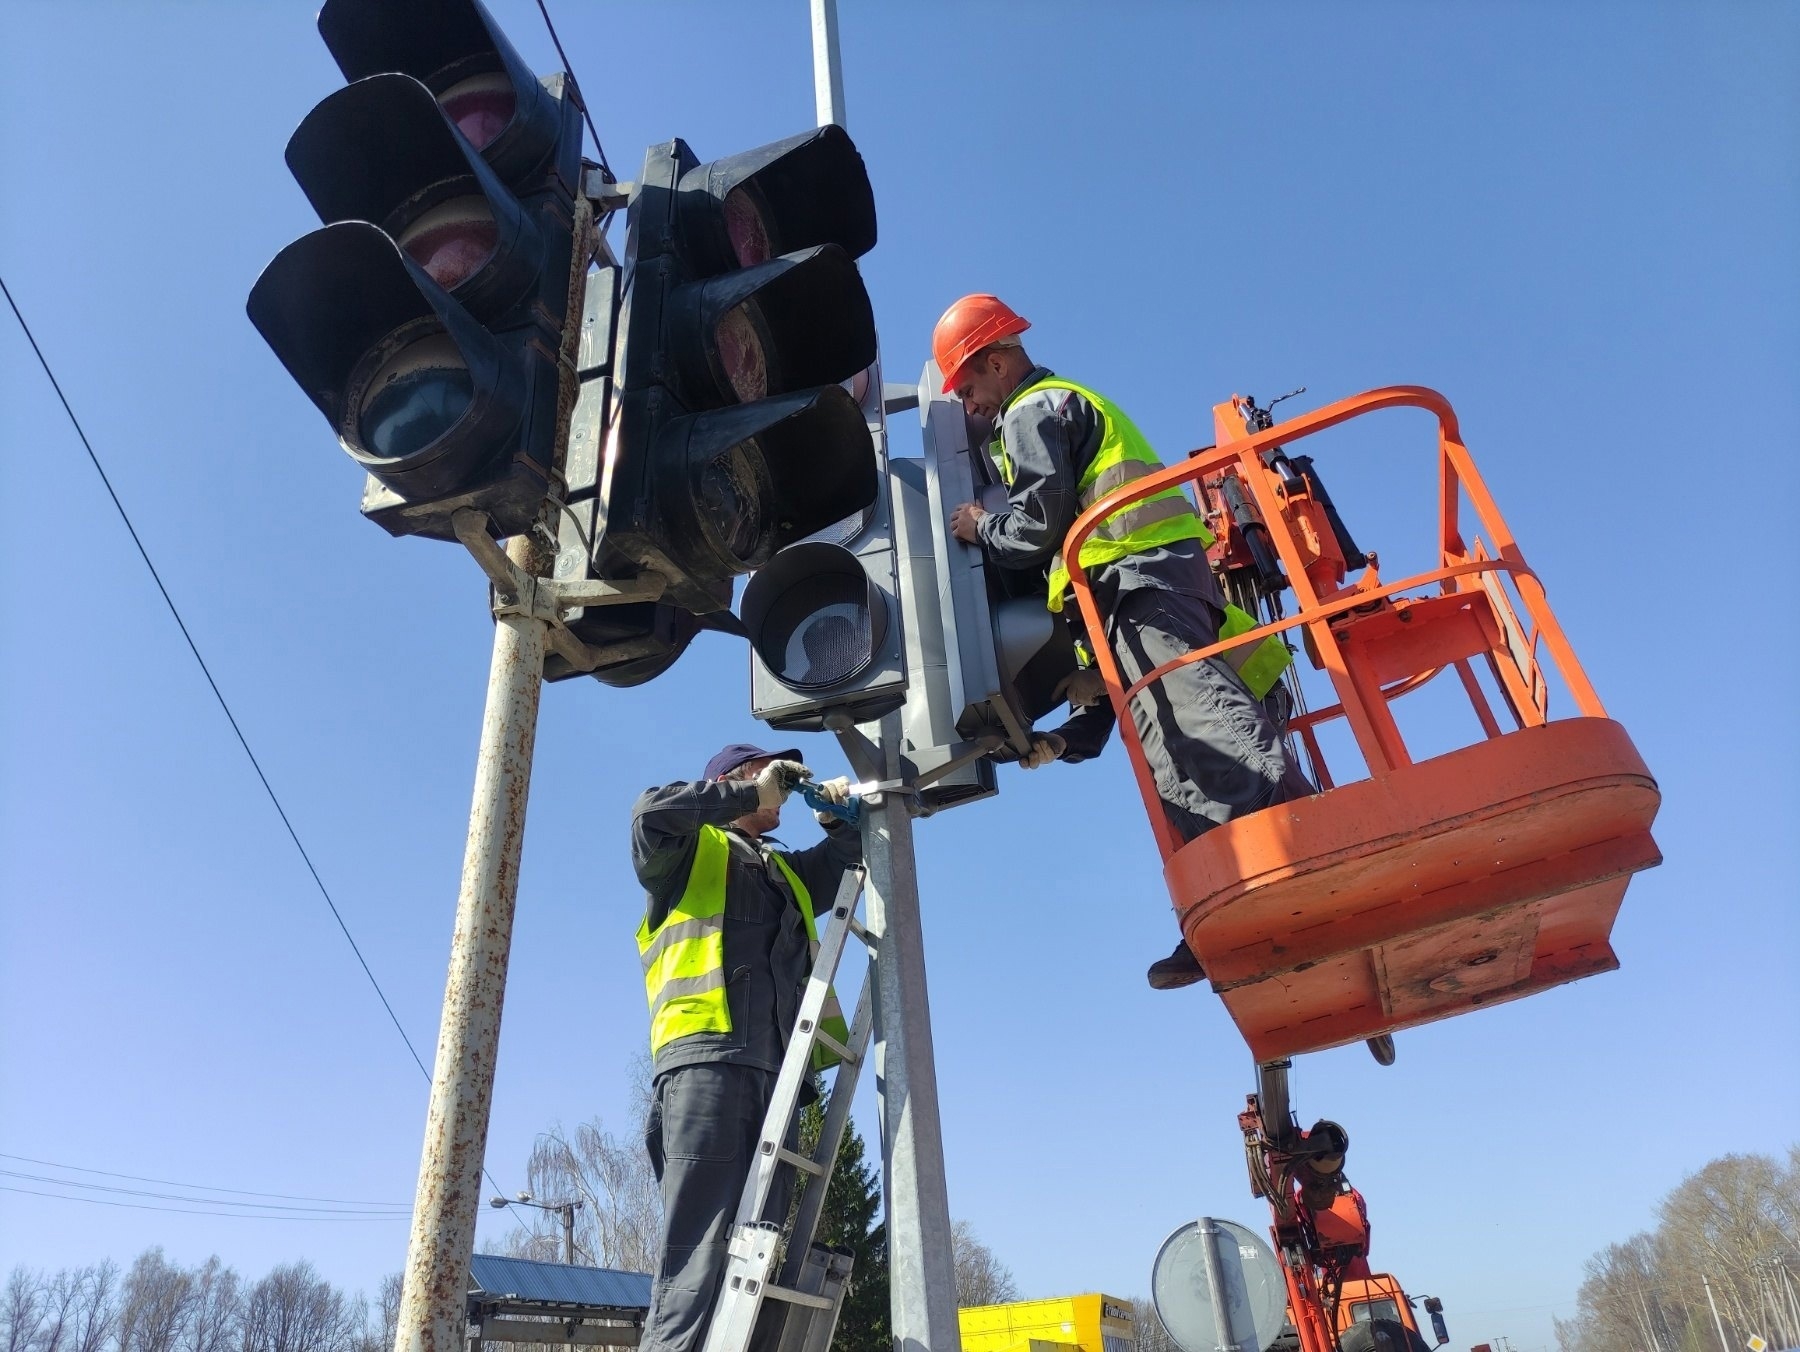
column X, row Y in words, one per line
column 363, row 1209
column 219, row 695
column 186, row 1211
column 569, row 70
column 173, row 1183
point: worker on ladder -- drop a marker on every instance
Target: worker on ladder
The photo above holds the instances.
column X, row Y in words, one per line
column 1060, row 448
column 727, row 944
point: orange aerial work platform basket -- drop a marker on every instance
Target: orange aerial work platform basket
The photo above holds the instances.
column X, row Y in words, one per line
column 1431, row 887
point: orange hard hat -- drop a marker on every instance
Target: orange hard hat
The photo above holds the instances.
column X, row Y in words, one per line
column 968, row 326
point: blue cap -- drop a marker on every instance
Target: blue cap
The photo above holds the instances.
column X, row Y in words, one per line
column 740, row 753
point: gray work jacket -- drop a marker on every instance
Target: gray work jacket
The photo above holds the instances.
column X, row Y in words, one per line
column 767, row 959
column 1051, row 437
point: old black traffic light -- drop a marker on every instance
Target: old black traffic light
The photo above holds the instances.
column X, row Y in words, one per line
column 743, row 312
column 426, row 318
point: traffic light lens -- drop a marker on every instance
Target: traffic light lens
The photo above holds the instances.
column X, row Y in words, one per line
column 730, row 496
column 814, row 617
column 415, row 398
column 742, row 354
column 746, row 229
column 482, row 107
column 831, row 645
column 454, row 240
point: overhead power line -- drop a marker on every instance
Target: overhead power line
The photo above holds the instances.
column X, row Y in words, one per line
column 218, row 694
column 569, row 70
column 355, row 1209
column 206, row 671
column 189, row 1211
column 192, row 1187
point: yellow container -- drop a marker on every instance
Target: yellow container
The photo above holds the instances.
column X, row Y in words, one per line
column 1093, row 1323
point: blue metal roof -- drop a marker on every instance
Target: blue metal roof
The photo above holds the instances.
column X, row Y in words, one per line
column 559, row 1283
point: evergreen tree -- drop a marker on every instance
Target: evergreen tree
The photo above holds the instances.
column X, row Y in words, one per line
column 849, row 1221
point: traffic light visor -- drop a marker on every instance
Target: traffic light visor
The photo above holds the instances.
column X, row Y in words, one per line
column 415, row 389
column 740, row 483
column 792, row 323
column 794, row 194
column 460, row 54
column 814, row 616
column 382, row 150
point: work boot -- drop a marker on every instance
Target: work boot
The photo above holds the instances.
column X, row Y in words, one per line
column 1381, row 1047
column 1180, row 968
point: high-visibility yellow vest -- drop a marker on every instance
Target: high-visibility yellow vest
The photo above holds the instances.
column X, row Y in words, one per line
column 1258, row 667
column 684, row 957
column 1162, row 519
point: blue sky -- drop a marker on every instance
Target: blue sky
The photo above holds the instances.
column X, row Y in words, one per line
column 1581, row 223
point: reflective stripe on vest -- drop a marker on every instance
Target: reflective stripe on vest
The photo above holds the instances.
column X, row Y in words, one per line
column 831, row 1018
column 1258, row 666
column 1124, row 455
column 684, row 957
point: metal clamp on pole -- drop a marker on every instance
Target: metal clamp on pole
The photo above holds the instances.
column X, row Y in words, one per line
column 517, row 592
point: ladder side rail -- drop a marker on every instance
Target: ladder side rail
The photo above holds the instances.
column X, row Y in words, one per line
column 748, row 1262
column 784, row 1101
column 831, row 1138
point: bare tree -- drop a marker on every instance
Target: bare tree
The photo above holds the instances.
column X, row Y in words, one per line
column 97, row 1309
column 388, row 1307
column 156, row 1298
column 981, row 1278
column 1733, row 1226
column 21, row 1310
column 293, row 1309
column 215, row 1310
column 1148, row 1325
column 620, row 1219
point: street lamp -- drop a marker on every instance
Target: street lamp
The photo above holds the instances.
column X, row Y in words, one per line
column 568, row 1217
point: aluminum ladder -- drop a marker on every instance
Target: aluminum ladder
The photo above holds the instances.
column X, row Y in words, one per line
column 813, row 1278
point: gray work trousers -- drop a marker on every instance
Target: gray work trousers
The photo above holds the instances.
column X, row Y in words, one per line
column 701, row 1135
column 1209, row 742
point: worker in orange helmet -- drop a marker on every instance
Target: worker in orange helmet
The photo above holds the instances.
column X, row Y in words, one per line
column 1059, row 448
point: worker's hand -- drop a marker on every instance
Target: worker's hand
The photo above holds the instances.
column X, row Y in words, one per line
column 776, row 780
column 963, row 522
column 1045, row 747
column 833, row 791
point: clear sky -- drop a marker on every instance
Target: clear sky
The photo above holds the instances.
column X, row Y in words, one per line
column 1582, row 223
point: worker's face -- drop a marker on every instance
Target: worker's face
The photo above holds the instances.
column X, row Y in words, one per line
column 981, row 385
column 764, row 819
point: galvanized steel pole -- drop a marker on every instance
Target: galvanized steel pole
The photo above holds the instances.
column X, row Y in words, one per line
column 921, row 1276
column 432, row 1301
column 828, row 65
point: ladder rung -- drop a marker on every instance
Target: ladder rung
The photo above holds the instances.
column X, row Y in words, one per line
column 838, row 1049
column 861, row 931
column 803, row 1162
column 793, row 1297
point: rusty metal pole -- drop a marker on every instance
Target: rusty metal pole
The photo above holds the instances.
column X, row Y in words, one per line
column 432, row 1301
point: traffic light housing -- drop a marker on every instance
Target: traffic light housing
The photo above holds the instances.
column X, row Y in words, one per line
column 427, row 318
column 987, row 658
column 823, row 616
column 743, row 309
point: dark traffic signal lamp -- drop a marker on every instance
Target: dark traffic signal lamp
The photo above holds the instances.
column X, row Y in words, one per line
column 427, row 317
column 828, row 644
column 743, row 309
